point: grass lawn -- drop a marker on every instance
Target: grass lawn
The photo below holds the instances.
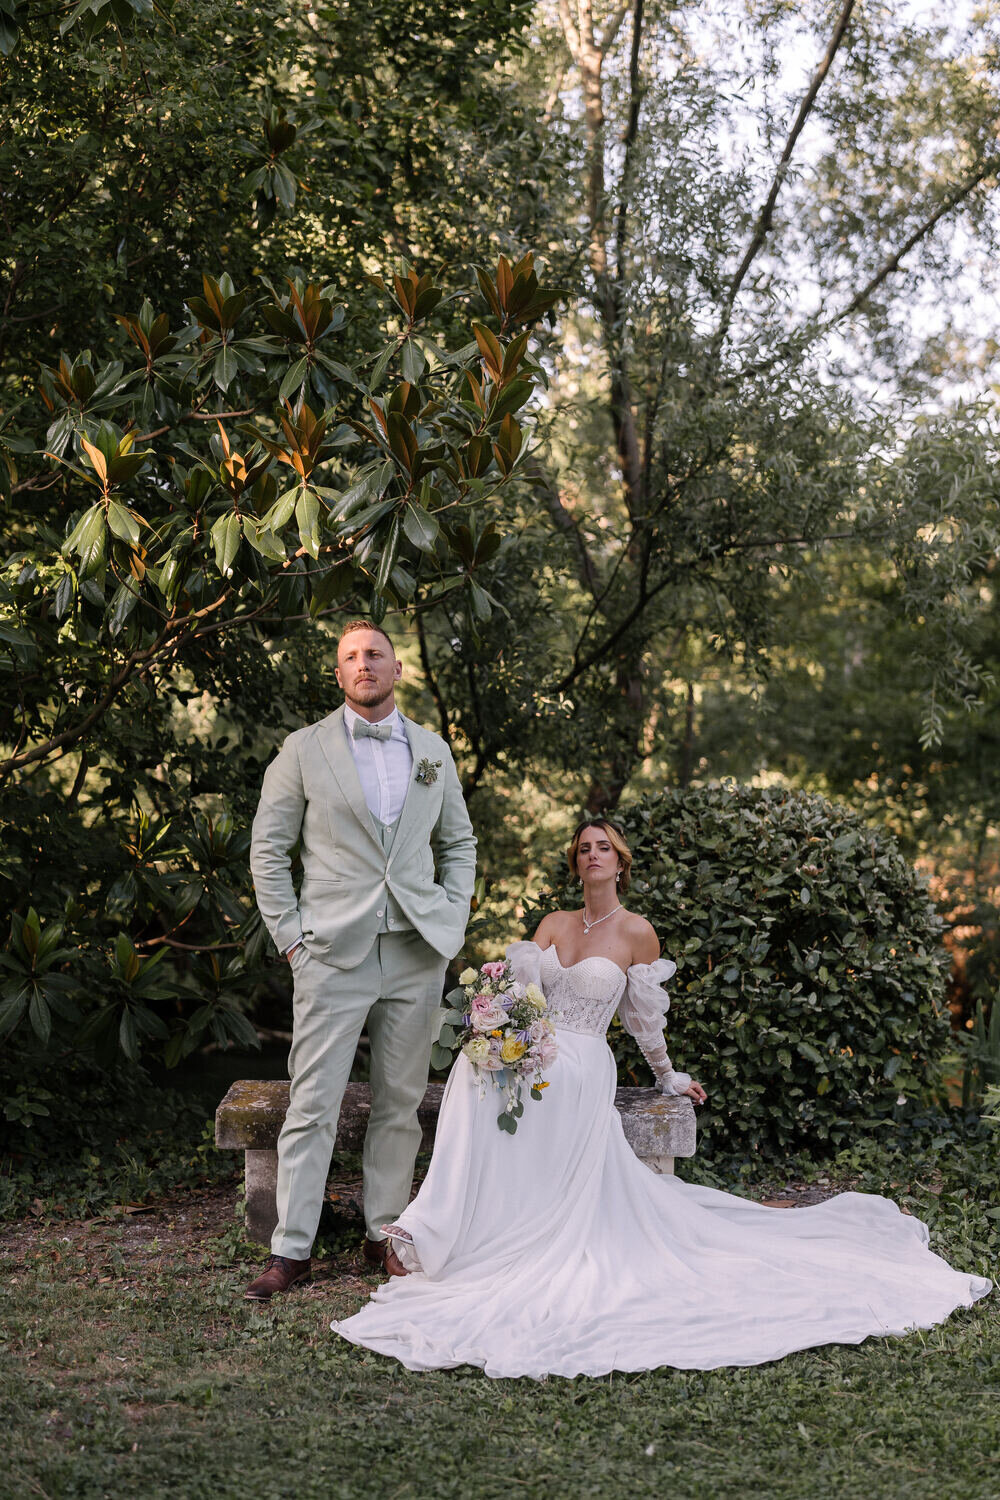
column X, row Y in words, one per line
column 131, row 1367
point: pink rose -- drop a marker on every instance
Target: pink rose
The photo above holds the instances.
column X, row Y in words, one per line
column 490, row 1019
column 493, row 970
column 546, row 1052
column 481, row 1004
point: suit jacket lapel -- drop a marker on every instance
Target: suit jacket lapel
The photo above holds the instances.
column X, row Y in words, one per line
column 418, row 749
column 333, row 742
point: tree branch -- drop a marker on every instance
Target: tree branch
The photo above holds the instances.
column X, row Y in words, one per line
column 167, row 640
column 990, row 166
column 570, row 30
column 765, row 218
column 568, row 525
column 889, row 267
column 552, row 98
column 628, row 141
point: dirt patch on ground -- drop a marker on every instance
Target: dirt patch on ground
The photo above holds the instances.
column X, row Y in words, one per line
column 794, row 1194
column 184, row 1222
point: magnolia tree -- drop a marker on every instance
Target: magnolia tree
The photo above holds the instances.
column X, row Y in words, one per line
column 186, row 501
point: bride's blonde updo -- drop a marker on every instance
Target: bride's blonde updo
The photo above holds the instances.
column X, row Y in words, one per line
column 615, row 838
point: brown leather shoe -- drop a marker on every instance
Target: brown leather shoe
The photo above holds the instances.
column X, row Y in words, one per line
column 379, row 1253
column 278, row 1275
column 373, row 1253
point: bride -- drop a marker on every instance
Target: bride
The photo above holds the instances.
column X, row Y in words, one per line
column 556, row 1251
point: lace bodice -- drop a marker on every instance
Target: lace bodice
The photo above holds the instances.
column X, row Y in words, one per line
column 585, row 996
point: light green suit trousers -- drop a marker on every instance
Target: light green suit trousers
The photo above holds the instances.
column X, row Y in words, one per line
column 348, row 970
column 396, row 990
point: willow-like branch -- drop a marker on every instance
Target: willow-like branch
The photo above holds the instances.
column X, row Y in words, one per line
column 804, row 336
column 765, row 218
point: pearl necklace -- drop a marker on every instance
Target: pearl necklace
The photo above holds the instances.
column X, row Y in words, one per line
column 598, row 920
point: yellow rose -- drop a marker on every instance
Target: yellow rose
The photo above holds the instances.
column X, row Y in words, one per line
column 512, row 1048
column 468, row 976
column 534, row 997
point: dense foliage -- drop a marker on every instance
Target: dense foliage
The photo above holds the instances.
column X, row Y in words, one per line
column 139, row 151
column 220, row 431
column 809, row 992
column 383, row 493
column 198, row 202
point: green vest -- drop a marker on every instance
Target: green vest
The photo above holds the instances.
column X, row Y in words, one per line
column 393, row 919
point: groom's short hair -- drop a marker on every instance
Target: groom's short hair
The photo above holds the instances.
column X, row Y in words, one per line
column 366, row 625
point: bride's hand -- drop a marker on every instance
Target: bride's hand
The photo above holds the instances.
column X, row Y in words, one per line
column 696, row 1092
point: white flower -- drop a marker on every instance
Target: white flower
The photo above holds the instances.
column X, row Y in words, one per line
column 534, row 997
column 477, row 1050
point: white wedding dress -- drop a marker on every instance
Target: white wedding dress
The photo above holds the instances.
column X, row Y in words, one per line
column 556, row 1251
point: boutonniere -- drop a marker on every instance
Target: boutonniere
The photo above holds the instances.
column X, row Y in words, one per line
column 427, row 771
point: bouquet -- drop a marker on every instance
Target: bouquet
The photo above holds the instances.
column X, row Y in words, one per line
column 502, row 1027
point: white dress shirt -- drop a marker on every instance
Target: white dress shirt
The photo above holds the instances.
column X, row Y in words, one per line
column 384, row 766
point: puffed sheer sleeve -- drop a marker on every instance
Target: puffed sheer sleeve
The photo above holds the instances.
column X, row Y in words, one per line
column 526, row 960
column 643, row 1010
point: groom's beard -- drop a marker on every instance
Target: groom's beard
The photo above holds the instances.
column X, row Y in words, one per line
column 368, row 695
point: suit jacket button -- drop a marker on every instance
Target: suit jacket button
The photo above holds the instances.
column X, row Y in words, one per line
column 380, row 912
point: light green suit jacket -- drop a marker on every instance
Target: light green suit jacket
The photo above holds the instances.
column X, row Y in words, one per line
column 312, row 793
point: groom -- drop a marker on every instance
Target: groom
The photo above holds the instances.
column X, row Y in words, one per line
column 388, row 868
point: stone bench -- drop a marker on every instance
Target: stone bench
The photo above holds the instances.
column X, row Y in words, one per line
column 658, row 1127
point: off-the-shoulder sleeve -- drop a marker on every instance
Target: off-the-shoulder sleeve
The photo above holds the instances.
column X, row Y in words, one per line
column 643, row 1009
column 525, row 959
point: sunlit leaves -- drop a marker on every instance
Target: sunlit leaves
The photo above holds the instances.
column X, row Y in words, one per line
column 513, row 292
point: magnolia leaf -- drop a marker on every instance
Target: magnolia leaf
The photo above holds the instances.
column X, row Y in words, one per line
column 224, row 368
column 307, row 516
column 294, row 378
column 489, row 348
column 421, row 528
column 412, row 362
column 481, row 606
column 123, row 523
column 226, row 541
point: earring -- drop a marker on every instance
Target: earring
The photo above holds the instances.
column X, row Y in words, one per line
column 618, row 876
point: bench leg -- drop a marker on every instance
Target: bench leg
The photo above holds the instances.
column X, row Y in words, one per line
column 261, row 1175
column 663, row 1165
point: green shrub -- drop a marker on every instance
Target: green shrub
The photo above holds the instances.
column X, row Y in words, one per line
column 99, row 1137
column 809, row 992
